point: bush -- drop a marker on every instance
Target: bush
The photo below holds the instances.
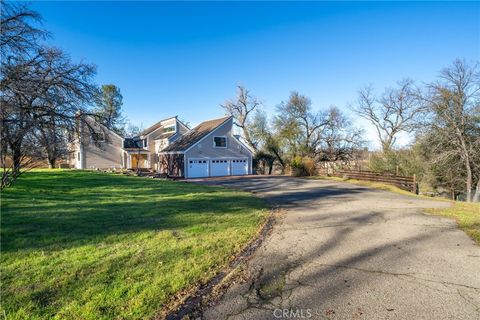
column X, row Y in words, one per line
column 263, row 163
column 309, row 166
column 406, row 161
column 303, row 166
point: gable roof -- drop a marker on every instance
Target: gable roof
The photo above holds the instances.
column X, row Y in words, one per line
column 132, row 143
column 103, row 127
column 195, row 135
column 154, row 127
column 165, row 135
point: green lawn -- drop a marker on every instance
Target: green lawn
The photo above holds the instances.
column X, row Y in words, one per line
column 87, row 245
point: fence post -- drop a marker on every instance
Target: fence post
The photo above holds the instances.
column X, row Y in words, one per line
column 415, row 184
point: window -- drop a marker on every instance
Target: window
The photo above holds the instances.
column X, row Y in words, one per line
column 169, row 129
column 78, row 156
column 220, row 142
column 98, row 136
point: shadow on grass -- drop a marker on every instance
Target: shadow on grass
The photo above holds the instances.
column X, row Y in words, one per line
column 57, row 210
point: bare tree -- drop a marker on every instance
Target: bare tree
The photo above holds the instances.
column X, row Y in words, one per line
column 300, row 125
column 340, row 139
column 18, row 35
column 394, row 112
column 454, row 104
column 54, row 141
column 269, row 145
column 132, row 130
column 40, row 89
column 241, row 108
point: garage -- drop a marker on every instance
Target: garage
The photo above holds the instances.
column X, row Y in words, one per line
column 208, row 150
column 239, row 167
column 197, row 168
column 220, row 167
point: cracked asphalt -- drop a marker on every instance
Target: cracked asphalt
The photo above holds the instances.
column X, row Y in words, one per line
column 343, row 251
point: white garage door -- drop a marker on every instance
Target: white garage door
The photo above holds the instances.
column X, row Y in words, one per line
column 239, row 167
column 220, row 168
column 197, row 168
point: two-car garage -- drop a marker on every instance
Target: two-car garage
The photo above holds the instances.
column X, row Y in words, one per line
column 197, row 168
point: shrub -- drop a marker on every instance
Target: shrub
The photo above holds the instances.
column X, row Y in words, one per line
column 302, row 166
column 309, row 166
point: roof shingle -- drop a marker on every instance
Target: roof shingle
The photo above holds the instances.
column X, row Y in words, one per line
column 195, row 135
column 154, row 127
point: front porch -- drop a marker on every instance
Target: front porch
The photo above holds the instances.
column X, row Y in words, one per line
column 137, row 159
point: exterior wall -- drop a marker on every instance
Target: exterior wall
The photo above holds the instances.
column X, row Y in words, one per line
column 103, row 155
column 106, row 155
column 205, row 148
column 154, row 162
column 181, row 129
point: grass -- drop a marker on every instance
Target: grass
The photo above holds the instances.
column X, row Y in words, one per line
column 467, row 215
column 371, row 184
column 87, row 245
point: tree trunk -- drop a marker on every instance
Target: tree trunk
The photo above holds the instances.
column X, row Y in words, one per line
column 51, row 162
column 476, row 196
column 469, row 183
column 16, row 159
column 279, row 158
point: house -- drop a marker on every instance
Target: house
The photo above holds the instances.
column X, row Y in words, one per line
column 142, row 151
column 96, row 147
column 210, row 149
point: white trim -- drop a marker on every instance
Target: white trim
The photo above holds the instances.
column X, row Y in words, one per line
column 171, row 152
column 244, row 145
column 165, row 120
column 161, row 125
column 226, row 142
column 250, row 166
column 184, row 167
column 138, row 151
column 183, row 125
column 208, row 134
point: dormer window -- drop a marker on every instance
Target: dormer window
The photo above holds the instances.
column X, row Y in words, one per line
column 169, row 129
column 220, row 142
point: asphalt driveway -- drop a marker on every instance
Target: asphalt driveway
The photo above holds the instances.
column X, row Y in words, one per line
column 348, row 252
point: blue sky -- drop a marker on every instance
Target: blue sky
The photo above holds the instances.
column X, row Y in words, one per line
column 186, row 58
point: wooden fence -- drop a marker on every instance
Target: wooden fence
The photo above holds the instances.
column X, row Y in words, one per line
column 402, row 182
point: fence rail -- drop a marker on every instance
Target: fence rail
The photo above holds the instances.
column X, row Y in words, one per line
column 402, row 182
